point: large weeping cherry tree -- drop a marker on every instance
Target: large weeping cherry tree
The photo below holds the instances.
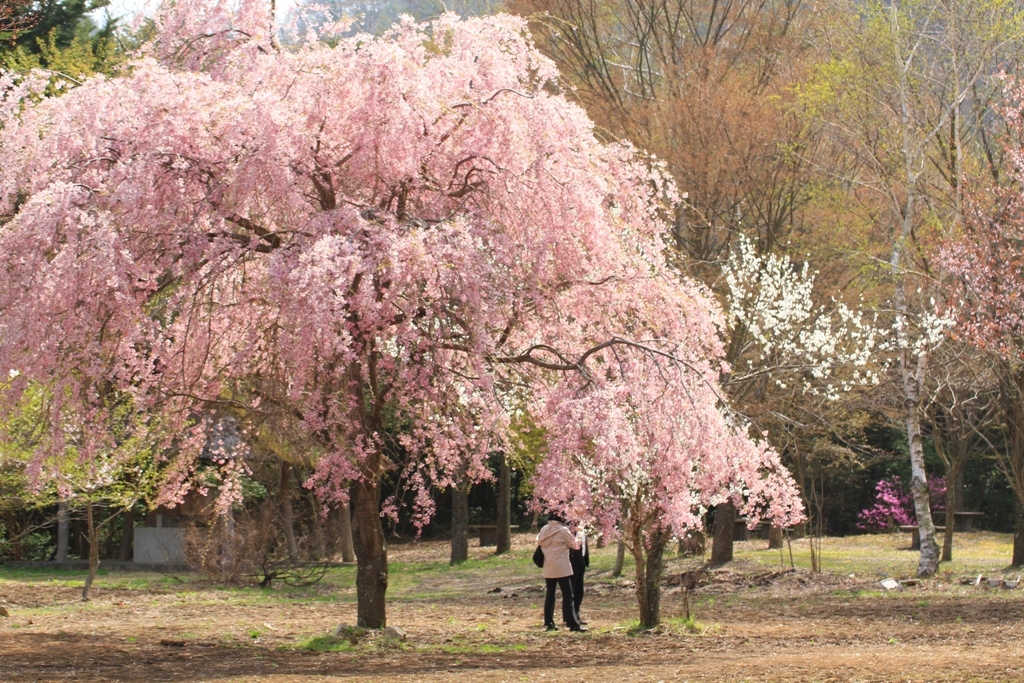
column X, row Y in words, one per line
column 399, row 230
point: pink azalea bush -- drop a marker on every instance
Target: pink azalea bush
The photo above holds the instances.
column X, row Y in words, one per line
column 894, row 506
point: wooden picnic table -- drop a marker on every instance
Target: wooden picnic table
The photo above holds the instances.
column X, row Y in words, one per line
column 964, row 521
column 740, row 532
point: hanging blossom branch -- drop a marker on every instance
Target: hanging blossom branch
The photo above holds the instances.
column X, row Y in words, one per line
column 567, row 364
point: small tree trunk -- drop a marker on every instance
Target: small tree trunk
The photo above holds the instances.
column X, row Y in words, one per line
column 319, row 530
column 348, row 553
column 94, row 552
column 692, row 543
column 287, row 514
column 63, row 523
column 1018, row 537
column 774, row 537
column 227, row 544
column 460, row 524
column 620, row 558
column 947, row 539
column 504, row 507
column 127, row 534
column 371, row 555
column 725, row 522
column 959, row 489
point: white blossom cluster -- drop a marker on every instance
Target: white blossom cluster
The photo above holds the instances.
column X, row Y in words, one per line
column 788, row 336
column 922, row 332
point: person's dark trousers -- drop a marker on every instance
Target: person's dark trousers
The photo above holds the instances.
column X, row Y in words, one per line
column 579, row 563
column 577, row 589
column 568, row 610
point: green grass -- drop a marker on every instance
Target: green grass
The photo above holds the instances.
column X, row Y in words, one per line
column 885, row 555
column 328, row 644
column 865, row 556
column 483, row 648
column 688, row 626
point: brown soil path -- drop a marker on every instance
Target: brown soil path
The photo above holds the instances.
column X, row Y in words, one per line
column 793, row 627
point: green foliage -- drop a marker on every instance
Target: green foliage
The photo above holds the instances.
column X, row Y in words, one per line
column 128, row 472
column 60, row 18
column 529, row 446
column 38, row 546
column 67, row 41
column 85, row 55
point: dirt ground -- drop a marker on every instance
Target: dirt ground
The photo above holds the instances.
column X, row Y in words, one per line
column 753, row 623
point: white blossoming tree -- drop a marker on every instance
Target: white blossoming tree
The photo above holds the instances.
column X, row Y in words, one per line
column 787, row 346
column 777, row 330
column 790, row 356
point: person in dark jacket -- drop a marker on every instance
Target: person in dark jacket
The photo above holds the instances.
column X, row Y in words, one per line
column 580, row 560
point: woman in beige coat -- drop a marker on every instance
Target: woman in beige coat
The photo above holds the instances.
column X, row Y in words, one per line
column 556, row 541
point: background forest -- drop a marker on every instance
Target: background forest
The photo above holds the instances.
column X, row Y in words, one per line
column 827, row 152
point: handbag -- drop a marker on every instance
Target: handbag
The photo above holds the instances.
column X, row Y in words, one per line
column 538, row 557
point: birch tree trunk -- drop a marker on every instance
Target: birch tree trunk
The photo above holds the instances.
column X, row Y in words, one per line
column 929, row 560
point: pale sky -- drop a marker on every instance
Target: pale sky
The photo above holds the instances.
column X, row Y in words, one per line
column 128, row 9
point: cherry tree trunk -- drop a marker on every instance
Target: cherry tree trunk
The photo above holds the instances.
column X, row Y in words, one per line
column 460, row 524
column 774, row 537
column 1013, row 396
column 1018, row 537
column 94, row 551
column 127, row 535
column 725, row 522
column 371, row 555
column 63, row 523
column 504, row 507
column 348, row 553
column 287, row 514
column 650, row 563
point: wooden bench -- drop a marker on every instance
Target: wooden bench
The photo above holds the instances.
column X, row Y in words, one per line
column 488, row 533
column 915, row 534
